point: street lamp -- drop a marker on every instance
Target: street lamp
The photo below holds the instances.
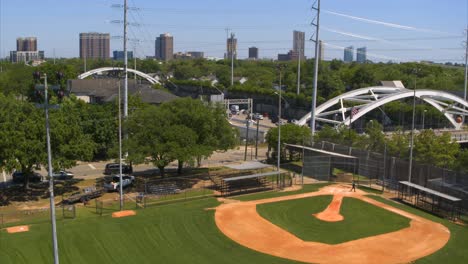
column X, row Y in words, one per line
column 424, row 112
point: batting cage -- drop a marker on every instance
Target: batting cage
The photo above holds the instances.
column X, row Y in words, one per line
column 326, row 165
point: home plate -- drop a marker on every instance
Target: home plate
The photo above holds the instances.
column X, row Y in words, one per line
column 17, row 229
column 123, row 214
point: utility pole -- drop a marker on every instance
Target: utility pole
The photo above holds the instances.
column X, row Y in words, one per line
column 278, row 154
column 125, row 93
column 412, row 133
column 317, row 47
column 256, row 141
column 299, row 73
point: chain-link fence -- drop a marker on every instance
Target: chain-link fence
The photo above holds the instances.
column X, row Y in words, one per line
column 35, row 216
column 371, row 168
column 173, row 189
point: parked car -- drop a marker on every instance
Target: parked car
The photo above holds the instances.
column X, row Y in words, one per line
column 113, row 168
column 18, row 177
column 258, row 116
column 63, row 175
column 114, row 184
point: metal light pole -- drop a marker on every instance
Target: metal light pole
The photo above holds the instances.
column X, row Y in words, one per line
column 125, row 94
column 120, row 153
column 278, row 154
column 314, row 93
column 51, row 178
column 246, row 137
column 256, row 141
column 299, row 73
column 412, row 134
column 423, row 115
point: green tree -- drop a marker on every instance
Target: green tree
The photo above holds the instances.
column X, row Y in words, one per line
column 23, row 144
column 398, row 144
column 290, row 134
column 374, row 139
column 440, row 151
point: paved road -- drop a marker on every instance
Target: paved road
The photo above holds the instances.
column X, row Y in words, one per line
column 93, row 170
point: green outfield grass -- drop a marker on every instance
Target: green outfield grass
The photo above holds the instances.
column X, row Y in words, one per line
column 361, row 219
column 176, row 233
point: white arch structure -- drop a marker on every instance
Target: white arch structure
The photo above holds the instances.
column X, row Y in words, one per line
column 336, row 111
column 107, row 69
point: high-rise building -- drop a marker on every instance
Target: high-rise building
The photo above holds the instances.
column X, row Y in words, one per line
column 348, row 54
column 231, row 48
column 299, row 43
column 26, row 51
column 95, row 45
column 26, row 44
column 253, row 53
column 119, row 55
column 361, row 55
column 321, row 51
column 164, row 47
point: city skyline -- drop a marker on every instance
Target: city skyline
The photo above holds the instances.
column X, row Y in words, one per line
column 397, row 31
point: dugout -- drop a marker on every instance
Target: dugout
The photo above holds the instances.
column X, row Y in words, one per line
column 320, row 164
column 429, row 200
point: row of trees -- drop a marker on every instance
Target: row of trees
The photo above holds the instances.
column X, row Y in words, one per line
column 429, row 148
column 185, row 130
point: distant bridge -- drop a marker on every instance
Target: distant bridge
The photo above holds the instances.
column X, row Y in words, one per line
column 337, row 111
column 150, row 79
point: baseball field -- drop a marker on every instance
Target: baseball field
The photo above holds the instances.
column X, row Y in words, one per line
column 318, row 224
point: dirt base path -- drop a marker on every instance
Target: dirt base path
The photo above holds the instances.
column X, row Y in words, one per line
column 241, row 222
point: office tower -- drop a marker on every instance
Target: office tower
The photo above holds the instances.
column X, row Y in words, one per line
column 299, row 43
column 119, row 55
column 349, row 54
column 95, row 45
column 26, row 51
column 164, row 47
column 231, row 47
column 253, row 53
column 321, row 51
column 26, row 44
column 361, row 55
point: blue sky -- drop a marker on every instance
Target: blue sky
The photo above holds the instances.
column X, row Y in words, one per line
column 414, row 30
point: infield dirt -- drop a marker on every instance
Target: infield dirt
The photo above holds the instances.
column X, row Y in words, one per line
column 241, row 223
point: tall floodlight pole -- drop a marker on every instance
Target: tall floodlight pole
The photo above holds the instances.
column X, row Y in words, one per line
column 317, row 47
column 125, row 93
column 466, row 64
column 410, row 168
column 50, row 172
column 278, row 154
column 120, row 151
column 299, row 73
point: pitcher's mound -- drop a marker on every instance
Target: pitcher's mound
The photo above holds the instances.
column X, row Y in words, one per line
column 123, row 214
column 17, row 229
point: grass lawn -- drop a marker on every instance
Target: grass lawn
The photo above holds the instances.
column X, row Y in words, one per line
column 456, row 249
column 361, row 219
column 264, row 195
column 177, row 233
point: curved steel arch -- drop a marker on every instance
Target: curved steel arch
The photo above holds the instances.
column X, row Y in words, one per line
column 372, row 98
column 106, row 69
